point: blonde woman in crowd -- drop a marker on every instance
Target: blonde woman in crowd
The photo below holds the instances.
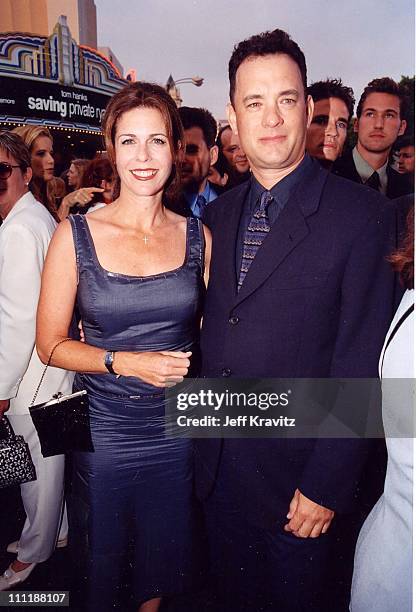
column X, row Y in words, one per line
column 40, row 143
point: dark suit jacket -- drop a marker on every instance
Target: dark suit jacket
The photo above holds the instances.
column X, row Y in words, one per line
column 316, row 302
column 403, row 206
column 397, row 184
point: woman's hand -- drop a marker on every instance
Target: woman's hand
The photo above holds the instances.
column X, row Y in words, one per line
column 161, row 369
column 80, row 197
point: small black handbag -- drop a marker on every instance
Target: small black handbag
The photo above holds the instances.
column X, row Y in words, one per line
column 62, row 423
column 16, row 465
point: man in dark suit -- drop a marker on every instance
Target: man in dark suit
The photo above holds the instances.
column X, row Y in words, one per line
column 298, row 288
column 200, row 153
column 380, row 121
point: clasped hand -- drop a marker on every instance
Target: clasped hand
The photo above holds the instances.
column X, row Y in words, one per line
column 306, row 518
column 160, row 369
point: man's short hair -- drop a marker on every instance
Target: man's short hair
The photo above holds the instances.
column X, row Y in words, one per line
column 333, row 88
column 266, row 43
column 388, row 86
column 202, row 118
column 404, row 141
column 219, row 137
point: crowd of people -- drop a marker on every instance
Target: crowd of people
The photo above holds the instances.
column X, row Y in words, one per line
column 281, row 239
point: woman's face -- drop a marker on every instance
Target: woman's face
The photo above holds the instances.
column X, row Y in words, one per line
column 14, row 186
column 73, row 177
column 42, row 158
column 142, row 149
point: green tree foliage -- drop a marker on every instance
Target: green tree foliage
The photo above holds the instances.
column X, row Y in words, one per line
column 408, row 84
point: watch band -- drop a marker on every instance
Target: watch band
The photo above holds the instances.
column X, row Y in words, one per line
column 109, row 360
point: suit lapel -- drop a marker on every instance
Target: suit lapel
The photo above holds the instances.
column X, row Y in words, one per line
column 287, row 232
column 345, row 167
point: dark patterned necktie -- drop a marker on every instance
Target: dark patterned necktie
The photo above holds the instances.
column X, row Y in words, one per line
column 374, row 181
column 256, row 232
column 200, row 206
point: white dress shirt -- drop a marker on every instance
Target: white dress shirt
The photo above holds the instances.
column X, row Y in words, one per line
column 365, row 170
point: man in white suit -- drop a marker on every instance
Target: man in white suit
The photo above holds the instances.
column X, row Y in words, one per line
column 24, row 237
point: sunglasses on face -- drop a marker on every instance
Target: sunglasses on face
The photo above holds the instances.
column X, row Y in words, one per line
column 6, row 170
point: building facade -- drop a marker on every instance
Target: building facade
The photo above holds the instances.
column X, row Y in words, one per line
column 56, row 82
column 40, row 16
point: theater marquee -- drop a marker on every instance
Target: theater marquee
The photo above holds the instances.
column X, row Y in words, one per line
column 26, row 99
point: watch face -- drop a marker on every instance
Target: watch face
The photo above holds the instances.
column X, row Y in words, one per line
column 108, row 360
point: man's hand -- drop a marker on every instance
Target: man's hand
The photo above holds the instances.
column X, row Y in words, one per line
column 306, row 518
column 4, row 406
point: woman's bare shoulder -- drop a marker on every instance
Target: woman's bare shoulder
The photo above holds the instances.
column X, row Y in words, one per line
column 63, row 232
column 178, row 222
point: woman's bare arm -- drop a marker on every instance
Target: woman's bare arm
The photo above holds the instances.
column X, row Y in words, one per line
column 56, row 305
column 208, row 245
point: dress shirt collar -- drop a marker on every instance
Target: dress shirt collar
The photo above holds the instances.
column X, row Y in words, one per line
column 282, row 190
column 365, row 170
column 25, row 200
column 209, row 194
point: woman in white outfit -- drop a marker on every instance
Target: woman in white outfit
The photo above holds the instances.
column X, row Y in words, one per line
column 382, row 580
column 24, row 238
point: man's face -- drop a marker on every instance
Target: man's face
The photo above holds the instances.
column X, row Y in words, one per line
column 269, row 113
column 406, row 159
column 328, row 130
column 197, row 160
column 380, row 123
column 233, row 152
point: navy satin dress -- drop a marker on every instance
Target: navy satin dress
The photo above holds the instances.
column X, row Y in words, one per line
column 137, row 484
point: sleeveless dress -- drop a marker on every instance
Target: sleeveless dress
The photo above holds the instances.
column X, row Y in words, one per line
column 136, row 487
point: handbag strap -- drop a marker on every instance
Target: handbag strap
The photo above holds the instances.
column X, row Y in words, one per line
column 10, row 435
column 46, row 367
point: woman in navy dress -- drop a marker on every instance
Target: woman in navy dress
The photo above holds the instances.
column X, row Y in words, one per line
column 136, row 272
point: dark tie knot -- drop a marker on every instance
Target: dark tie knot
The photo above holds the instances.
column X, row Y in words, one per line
column 374, row 181
column 199, row 206
column 266, row 198
column 201, row 200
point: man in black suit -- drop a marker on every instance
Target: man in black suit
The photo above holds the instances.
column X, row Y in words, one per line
column 380, row 121
column 299, row 288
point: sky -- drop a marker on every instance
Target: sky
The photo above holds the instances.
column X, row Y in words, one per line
column 356, row 40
